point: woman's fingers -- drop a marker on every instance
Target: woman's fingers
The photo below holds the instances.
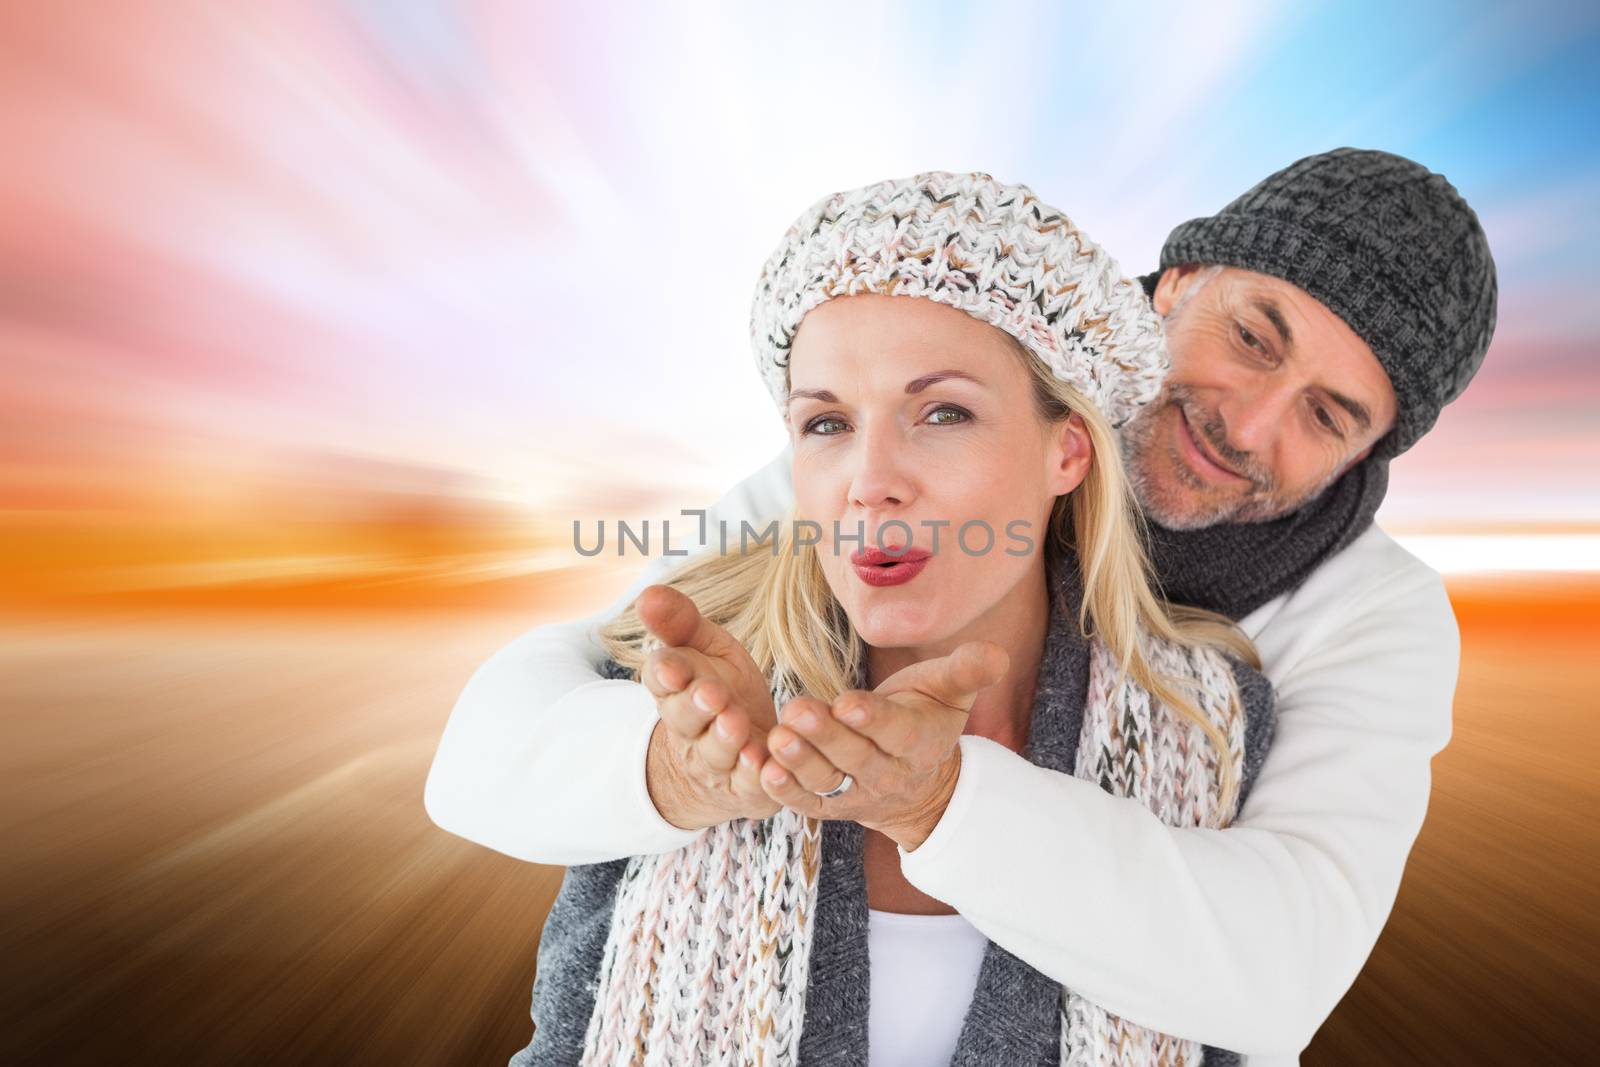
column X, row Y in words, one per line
column 712, row 682
column 754, row 803
column 822, row 740
column 900, row 727
column 797, row 787
column 781, row 786
column 685, row 720
column 929, row 698
column 694, row 704
column 714, row 739
column 705, row 687
column 671, row 670
column 970, row 669
column 675, row 619
column 686, row 688
column 812, row 752
column 954, row 680
column 719, row 747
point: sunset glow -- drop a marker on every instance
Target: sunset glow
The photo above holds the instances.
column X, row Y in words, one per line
column 372, row 293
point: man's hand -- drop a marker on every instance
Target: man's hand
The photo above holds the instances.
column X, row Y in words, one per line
column 898, row 741
column 716, row 708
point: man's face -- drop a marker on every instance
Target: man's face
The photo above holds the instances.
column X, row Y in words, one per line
column 1271, row 397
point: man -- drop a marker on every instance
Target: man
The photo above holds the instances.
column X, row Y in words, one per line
column 1316, row 326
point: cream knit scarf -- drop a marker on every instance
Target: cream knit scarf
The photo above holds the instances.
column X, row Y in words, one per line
column 708, row 952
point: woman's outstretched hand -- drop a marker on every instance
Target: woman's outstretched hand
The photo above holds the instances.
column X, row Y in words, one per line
column 707, row 751
column 901, row 750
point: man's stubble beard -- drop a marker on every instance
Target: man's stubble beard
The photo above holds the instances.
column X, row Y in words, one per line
column 1168, row 505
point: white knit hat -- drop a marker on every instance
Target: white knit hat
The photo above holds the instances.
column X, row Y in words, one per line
column 990, row 249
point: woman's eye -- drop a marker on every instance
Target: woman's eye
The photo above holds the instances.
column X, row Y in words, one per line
column 814, row 426
column 960, row 416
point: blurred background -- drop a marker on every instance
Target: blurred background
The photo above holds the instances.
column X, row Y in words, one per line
column 320, row 324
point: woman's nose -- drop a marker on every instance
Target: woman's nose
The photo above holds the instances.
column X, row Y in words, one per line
column 880, row 477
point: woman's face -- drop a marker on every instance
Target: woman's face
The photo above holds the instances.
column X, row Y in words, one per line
column 905, row 409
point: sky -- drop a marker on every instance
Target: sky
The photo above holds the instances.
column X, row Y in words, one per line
column 293, row 288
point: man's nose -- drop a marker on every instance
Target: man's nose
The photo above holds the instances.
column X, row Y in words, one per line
column 880, row 478
column 1255, row 415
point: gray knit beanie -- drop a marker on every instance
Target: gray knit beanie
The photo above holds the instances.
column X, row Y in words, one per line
column 1388, row 246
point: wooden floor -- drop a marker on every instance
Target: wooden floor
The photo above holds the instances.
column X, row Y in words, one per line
column 216, row 851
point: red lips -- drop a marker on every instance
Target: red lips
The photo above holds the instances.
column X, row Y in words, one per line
column 879, row 569
column 873, row 557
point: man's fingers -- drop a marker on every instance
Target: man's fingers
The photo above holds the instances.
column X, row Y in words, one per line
column 675, row 619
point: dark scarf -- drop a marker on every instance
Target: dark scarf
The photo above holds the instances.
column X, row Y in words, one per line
column 1234, row 568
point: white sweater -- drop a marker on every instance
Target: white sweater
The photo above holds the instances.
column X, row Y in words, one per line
column 1244, row 938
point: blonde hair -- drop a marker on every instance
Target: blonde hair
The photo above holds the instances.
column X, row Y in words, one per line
column 780, row 606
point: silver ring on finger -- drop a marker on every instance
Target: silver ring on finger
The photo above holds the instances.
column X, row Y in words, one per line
column 840, row 788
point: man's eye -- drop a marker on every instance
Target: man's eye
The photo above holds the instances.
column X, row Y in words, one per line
column 1249, row 338
column 961, row 416
column 824, row 420
column 1328, row 422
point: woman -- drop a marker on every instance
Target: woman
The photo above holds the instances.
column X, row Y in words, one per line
column 945, row 350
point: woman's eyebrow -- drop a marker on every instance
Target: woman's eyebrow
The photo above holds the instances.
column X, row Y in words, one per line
column 917, row 385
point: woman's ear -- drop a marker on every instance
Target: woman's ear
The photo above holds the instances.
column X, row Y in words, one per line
column 1071, row 455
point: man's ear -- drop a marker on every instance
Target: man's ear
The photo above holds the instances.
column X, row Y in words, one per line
column 1172, row 284
column 1076, row 453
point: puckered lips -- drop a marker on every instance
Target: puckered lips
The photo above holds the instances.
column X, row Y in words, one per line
column 878, row 567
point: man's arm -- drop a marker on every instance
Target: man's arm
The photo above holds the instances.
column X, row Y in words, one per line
column 1244, row 938
column 542, row 758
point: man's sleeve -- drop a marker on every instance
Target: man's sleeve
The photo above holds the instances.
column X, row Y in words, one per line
column 1244, row 938
column 542, row 758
